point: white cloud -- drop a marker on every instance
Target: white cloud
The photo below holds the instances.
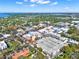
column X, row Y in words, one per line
column 32, row 5
column 43, row 2
column 17, row 2
column 40, row 1
column 34, row 0
column 54, row 3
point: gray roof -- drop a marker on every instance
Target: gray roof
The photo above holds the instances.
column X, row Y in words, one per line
column 50, row 45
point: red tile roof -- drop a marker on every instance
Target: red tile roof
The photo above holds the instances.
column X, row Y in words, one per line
column 24, row 52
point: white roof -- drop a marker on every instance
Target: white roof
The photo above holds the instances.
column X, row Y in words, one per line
column 6, row 35
column 3, row 45
column 75, row 21
column 26, row 35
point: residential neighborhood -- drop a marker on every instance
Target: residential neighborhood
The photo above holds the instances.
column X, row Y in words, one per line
column 38, row 40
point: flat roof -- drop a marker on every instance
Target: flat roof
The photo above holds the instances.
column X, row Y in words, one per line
column 49, row 44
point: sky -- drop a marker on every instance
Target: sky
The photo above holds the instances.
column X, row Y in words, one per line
column 41, row 6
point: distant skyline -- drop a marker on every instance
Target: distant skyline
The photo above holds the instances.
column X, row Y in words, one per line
column 39, row 6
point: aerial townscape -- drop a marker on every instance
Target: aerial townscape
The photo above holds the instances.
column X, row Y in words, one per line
column 39, row 36
column 39, row 29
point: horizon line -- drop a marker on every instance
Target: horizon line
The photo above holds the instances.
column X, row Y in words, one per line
column 39, row 12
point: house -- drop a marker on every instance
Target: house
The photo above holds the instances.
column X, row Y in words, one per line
column 32, row 40
column 3, row 45
column 77, row 26
column 75, row 22
column 1, row 36
column 73, row 41
column 34, row 33
column 30, row 37
column 46, row 29
column 27, row 36
column 6, row 35
column 57, row 30
column 63, row 24
column 41, row 25
column 20, row 30
column 64, row 29
column 24, row 52
column 29, row 28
